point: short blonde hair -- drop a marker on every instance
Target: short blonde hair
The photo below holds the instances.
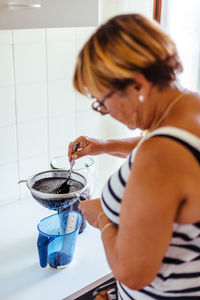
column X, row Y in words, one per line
column 122, row 47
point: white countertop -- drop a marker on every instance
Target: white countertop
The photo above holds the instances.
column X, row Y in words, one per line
column 22, row 278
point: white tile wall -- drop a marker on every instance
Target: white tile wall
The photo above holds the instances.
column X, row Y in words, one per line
column 28, row 167
column 62, row 131
column 5, row 37
column 31, row 100
column 83, row 33
column 6, row 63
column 28, row 36
column 8, row 183
column 40, row 113
column 61, row 95
column 30, row 62
column 88, row 123
column 60, row 59
column 61, row 34
column 83, row 103
column 38, row 103
column 8, row 149
column 33, row 138
column 7, row 105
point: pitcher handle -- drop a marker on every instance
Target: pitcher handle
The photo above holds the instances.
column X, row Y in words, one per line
column 42, row 244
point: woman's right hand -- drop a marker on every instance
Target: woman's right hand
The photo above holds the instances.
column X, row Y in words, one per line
column 87, row 146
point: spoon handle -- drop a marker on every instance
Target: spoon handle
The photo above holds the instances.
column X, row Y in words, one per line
column 74, row 149
column 64, row 186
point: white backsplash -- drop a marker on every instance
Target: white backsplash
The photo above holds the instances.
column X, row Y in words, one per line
column 40, row 112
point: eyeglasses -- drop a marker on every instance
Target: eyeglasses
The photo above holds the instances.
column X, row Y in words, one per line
column 99, row 106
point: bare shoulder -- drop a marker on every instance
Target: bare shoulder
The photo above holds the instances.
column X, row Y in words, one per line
column 190, row 100
column 159, row 167
column 166, row 162
column 191, row 94
column 161, row 152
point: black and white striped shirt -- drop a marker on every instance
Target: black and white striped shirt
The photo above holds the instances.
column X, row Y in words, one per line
column 179, row 273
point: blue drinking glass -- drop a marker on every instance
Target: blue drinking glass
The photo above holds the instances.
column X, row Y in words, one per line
column 57, row 238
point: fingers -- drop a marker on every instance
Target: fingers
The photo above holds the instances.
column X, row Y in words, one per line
column 82, row 143
column 87, row 146
column 102, row 296
column 82, row 205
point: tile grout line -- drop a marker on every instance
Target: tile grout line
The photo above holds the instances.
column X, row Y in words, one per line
column 76, row 96
column 47, row 97
column 16, row 117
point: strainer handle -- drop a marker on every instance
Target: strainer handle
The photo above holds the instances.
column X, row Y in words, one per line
column 78, row 197
column 23, row 180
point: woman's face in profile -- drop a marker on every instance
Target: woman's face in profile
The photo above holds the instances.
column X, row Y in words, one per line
column 123, row 107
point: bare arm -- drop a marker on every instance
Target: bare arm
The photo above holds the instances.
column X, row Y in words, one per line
column 149, row 207
column 152, row 196
column 121, row 147
column 90, row 146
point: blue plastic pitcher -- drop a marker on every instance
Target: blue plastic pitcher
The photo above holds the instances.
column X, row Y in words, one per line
column 57, row 238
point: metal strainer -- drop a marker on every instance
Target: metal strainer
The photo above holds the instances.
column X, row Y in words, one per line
column 52, row 200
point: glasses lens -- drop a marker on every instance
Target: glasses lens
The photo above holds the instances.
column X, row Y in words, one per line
column 96, row 106
column 99, row 106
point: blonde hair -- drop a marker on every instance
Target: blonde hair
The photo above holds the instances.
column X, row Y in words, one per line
column 122, row 47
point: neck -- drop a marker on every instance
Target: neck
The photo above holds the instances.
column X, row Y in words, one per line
column 162, row 105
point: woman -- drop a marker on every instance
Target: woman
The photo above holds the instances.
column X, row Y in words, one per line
column 149, row 212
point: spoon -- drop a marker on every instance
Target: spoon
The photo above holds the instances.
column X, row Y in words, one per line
column 64, row 188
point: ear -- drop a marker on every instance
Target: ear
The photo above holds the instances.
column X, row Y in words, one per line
column 142, row 85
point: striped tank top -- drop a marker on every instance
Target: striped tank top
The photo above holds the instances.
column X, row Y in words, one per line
column 179, row 273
